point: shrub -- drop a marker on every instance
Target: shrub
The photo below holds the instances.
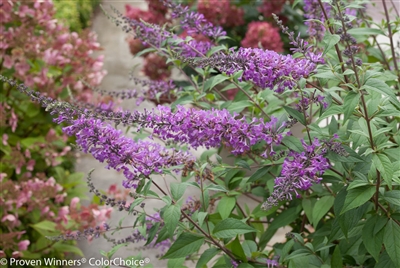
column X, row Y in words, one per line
column 336, row 185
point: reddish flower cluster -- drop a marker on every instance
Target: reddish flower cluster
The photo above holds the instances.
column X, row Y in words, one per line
column 221, row 12
column 271, row 6
column 155, row 14
column 155, row 67
column 264, row 34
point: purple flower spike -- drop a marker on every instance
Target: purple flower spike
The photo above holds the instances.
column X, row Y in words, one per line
column 299, row 172
column 265, row 68
column 135, row 159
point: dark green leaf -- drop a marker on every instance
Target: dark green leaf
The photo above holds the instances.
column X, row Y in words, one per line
column 260, row 173
column 185, row 245
column 384, row 165
column 293, row 143
column 336, row 258
column 357, row 197
column 350, row 102
column 391, row 240
column 372, row 242
column 322, row 206
column 393, row 197
column 295, row 114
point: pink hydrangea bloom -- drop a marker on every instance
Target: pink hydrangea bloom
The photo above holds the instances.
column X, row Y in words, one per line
column 264, row 34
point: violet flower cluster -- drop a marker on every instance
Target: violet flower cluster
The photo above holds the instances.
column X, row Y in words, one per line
column 313, row 12
column 197, row 128
column 211, row 128
column 194, row 22
column 150, row 89
column 299, row 172
column 135, row 159
column 265, row 68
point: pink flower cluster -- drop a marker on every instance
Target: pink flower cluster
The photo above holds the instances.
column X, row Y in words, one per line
column 271, row 6
column 221, row 12
column 263, row 34
column 44, row 53
column 21, row 200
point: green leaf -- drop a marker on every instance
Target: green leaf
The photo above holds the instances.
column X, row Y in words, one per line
column 237, row 249
column 391, row 240
column 393, row 197
column 45, row 227
column 249, row 247
column 337, row 258
column 171, row 218
column 330, row 41
column 217, row 188
column 382, row 88
column 173, row 263
column 384, row 165
column 186, row 244
column 295, row 114
column 293, row 143
column 237, row 107
column 177, row 190
column 201, row 216
column 206, row 257
column 350, row 102
column 230, row 227
column 357, row 197
column 62, row 247
column 215, row 80
column 322, row 206
column 365, row 31
column 152, row 232
column 225, row 206
column 372, row 241
column 332, row 110
column 260, row 173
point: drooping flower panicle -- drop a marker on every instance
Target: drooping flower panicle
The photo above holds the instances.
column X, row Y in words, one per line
column 299, row 172
column 265, row 68
column 135, row 159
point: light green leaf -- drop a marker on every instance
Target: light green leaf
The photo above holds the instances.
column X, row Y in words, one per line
column 186, row 244
column 382, row 88
column 230, row 227
column 225, row 206
column 206, row 257
column 330, row 41
column 295, row 114
column 237, row 107
column 62, row 247
column 177, row 190
column 215, row 80
column 171, row 217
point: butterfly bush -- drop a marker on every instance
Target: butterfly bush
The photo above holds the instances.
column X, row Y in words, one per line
column 309, row 142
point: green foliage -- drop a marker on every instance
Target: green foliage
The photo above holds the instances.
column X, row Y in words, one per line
column 76, row 15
